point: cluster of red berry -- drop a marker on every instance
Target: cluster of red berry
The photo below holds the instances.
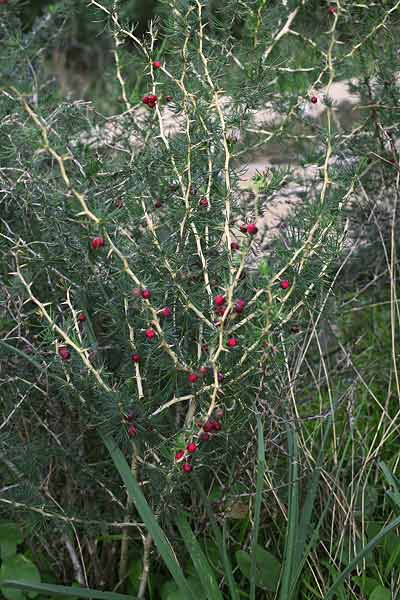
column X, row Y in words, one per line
column 208, row 427
column 251, row 228
column 150, row 100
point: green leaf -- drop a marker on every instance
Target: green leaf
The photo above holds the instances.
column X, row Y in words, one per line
column 159, row 537
column 200, row 562
column 18, row 568
column 366, row 584
column 381, row 593
column 258, row 503
column 48, row 589
column 10, row 537
column 368, row 548
column 268, row 568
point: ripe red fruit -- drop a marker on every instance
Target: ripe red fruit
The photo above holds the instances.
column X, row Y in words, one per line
column 132, row 431
column 150, row 100
column 150, row 333
column 135, row 358
column 208, row 426
column 331, row 10
column 192, row 378
column 314, row 99
column 180, row 454
column 186, row 468
column 235, row 246
column 243, row 228
column 166, row 312
column 81, row 317
column 232, row 342
column 217, row 426
column 204, row 436
column 97, row 242
column 156, row 64
column 252, row 228
column 239, row 306
column 191, row 448
column 157, row 204
column 203, row 202
column 203, row 371
column 64, row 353
column 284, row 284
column 220, row 310
column 146, row 294
column 219, row 300
column 221, row 377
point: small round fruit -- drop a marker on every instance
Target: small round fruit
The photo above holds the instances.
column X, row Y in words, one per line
column 232, row 342
column 203, row 371
column 187, row 468
column 203, row 202
column 235, row 246
column 331, row 10
column 314, row 99
column 191, row 448
column 146, row 294
column 156, row 64
column 204, row 436
column 135, row 358
column 243, row 228
column 81, row 317
column 64, row 353
column 221, row 377
column 150, row 333
column 284, row 284
column 132, row 431
column 217, row 426
column 179, row 455
column 252, row 228
column 219, row 300
column 239, row 306
column 192, row 378
column 208, row 426
column 97, row 242
column 157, row 204
column 166, row 312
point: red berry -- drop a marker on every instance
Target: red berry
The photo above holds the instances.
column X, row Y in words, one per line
column 221, row 377
column 146, row 294
column 135, row 358
column 137, row 292
column 191, row 448
column 239, row 306
column 232, row 342
column 219, row 413
column 217, row 426
column 168, row 98
column 132, row 431
column 97, row 242
column 219, row 300
column 284, row 284
column 180, row 454
column 150, row 100
column 192, row 378
column 150, row 333
column 156, row 64
column 204, row 436
column 81, row 317
column 157, row 204
column 203, row 371
column 166, row 312
column 243, row 228
column 207, row 427
column 235, row 246
column 64, row 353
column 220, row 310
column 3, row 2
column 314, row 99
column 331, row 10
column 252, row 229
column 203, row 202
column 186, row 468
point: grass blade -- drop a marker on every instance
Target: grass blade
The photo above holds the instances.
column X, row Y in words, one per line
column 293, row 516
column 200, row 562
column 364, row 552
column 159, row 537
column 258, row 502
column 49, row 589
column 221, row 542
